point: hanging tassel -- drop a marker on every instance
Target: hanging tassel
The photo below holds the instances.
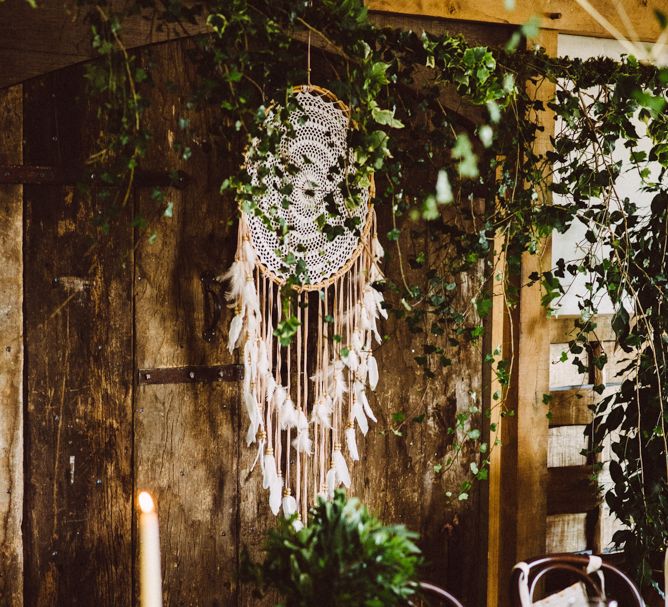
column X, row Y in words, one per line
column 275, row 491
column 236, row 277
column 269, row 476
column 372, row 367
column 351, row 443
column 331, row 482
column 236, row 326
column 342, row 474
column 289, row 504
column 360, row 417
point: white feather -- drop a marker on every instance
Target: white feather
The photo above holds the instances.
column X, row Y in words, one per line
column 297, row 524
column 275, row 492
column 331, row 482
column 249, row 299
column 360, row 417
column 249, row 254
column 377, row 249
column 270, row 386
column 351, row 443
column 303, row 442
column 351, row 360
column 251, row 326
column 250, row 360
column 372, row 367
column 375, row 275
column 322, row 412
column 262, row 359
column 287, row 416
column 357, row 341
column 360, row 394
column 289, row 506
column 342, row 474
column 340, row 387
column 269, row 473
column 253, row 417
column 235, row 332
column 280, row 394
column 236, row 277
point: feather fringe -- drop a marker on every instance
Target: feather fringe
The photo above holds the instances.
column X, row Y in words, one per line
column 360, row 417
column 236, row 277
column 287, row 416
column 269, row 474
column 331, row 482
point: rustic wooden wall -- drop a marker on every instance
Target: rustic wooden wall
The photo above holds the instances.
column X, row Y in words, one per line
column 11, row 354
column 99, row 308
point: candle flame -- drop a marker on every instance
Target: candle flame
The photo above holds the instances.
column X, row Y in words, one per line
column 145, row 502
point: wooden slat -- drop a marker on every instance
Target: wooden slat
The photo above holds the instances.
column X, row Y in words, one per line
column 562, row 329
column 78, row 419
column 186, row 435
column 564, row 16
column 570, row 489
column 570, row 406
column 11, row 355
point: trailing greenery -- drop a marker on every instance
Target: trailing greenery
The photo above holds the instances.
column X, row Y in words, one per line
column 344, row 557
column 451, row 132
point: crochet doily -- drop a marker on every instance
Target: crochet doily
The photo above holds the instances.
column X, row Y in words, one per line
column 310, row 171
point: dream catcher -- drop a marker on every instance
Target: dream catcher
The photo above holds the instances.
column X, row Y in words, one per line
column 308, row 218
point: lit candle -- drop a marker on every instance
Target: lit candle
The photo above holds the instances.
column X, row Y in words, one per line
column 150, row 578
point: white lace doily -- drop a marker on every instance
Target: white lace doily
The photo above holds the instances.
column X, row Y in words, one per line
column 310, row 169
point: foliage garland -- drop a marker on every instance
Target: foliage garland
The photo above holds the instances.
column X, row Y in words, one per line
column 392, row 78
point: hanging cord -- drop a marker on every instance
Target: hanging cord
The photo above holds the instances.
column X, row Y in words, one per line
column 308, row 61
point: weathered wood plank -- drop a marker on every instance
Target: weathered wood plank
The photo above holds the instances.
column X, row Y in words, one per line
column 565, row 16
column 562, row 329
column 11, row 355
column 570, row 406
column 186, row 435
column 570, row 489
column 78, row 419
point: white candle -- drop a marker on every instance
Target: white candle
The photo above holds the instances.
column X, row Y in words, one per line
column 150, row 578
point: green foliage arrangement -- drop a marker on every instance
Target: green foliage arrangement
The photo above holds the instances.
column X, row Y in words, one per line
column 433, row 162
column 344, row 557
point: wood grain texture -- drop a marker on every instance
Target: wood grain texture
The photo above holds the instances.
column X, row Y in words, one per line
column 11, row 355
column 562, row 329
column 570, row 490
column 565, row 16
column 570, row 406
column 186, row 435
column 78, row 503
column 532, row 376
column 396, row 476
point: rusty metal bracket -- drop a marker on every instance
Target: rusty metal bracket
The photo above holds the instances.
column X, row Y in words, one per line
column 16, row 174
column 195, row 374
column 213, row 305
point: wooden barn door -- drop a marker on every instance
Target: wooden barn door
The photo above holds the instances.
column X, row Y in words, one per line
column 98, row 309
column 122, row 392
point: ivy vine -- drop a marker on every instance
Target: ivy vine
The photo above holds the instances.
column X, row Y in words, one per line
column 472, row 178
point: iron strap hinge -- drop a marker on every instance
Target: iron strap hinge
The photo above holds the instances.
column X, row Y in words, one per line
column 191, row 375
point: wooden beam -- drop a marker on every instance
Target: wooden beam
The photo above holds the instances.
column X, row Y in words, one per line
column 562, row 329
column 11, row 355
column 563, row 16
column 570, row 490
column 570, row 406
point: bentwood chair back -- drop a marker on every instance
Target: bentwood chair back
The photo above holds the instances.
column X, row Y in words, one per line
column 433, row 595
column 598, row 579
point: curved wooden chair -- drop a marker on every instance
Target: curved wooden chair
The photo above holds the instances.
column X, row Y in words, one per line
column 433, row 595
column 599, row 582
